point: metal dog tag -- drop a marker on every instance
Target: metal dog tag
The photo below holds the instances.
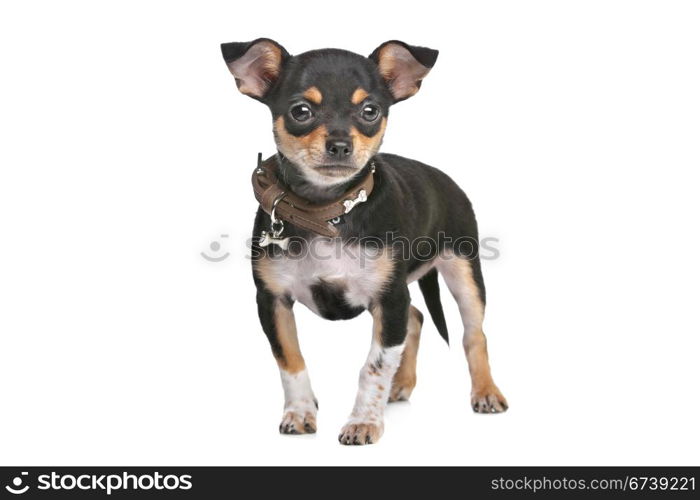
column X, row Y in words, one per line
column 350, row 204
column 276, row 228
column 270, row 239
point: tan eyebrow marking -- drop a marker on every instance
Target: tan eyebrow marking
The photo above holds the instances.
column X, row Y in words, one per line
column 359, row 95
column 314, row 95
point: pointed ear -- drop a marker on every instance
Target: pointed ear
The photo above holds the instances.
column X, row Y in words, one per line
column 255, row 65
column 403, row 66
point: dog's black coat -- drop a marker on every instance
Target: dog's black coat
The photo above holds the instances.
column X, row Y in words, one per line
column 412, row 202
column 331, row 303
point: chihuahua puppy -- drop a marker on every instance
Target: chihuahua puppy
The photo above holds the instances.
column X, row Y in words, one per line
column 342, row 228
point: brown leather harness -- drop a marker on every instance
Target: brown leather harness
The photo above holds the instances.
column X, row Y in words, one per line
column 283, row 205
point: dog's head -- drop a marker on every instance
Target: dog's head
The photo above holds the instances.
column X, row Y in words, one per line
column 329, row 107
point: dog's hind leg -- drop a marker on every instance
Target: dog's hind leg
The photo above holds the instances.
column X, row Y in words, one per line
column 405, row 378
column 463, row 278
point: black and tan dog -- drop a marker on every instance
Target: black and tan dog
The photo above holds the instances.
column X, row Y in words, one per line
column 331, row 213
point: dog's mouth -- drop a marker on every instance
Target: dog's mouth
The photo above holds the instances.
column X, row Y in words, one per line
column 335, row 170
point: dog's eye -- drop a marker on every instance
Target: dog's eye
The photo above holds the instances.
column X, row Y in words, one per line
column 370, row 112
column 301, row 113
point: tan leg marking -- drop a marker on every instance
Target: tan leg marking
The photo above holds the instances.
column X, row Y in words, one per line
column 291, row 360
column 299, row 401
column 383, row 271
column 376, row 313
column 405, row 378
column 300, row 406
column 264, row 269
column 457, row 272
column 486, row 397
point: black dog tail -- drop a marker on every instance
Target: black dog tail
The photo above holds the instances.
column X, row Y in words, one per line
column 430, row 288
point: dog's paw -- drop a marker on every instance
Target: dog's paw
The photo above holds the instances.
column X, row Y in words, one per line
column 294, row 422
column 355, row 432
column 488, row 400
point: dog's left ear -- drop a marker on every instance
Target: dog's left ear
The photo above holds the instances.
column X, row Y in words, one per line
column 255, row 65
column 403, row 66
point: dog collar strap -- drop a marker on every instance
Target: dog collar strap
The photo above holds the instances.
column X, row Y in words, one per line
column 287, row 206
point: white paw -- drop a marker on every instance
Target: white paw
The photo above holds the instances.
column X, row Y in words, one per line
column 298, row 423
column 359, row 432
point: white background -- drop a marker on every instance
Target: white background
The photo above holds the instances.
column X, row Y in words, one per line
column 126, row 150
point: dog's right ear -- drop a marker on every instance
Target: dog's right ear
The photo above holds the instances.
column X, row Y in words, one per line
column 255, row 65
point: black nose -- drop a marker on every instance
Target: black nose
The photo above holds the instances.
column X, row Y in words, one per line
column 338, row 149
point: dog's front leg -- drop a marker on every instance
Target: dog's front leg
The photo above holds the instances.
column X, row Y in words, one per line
column 390, row 315
column 300, row 405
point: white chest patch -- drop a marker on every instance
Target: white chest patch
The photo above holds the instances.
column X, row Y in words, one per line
column 359, row 272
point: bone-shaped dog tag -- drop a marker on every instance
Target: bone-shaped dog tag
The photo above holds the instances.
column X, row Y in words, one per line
column 350, row 204
column 270, row 239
